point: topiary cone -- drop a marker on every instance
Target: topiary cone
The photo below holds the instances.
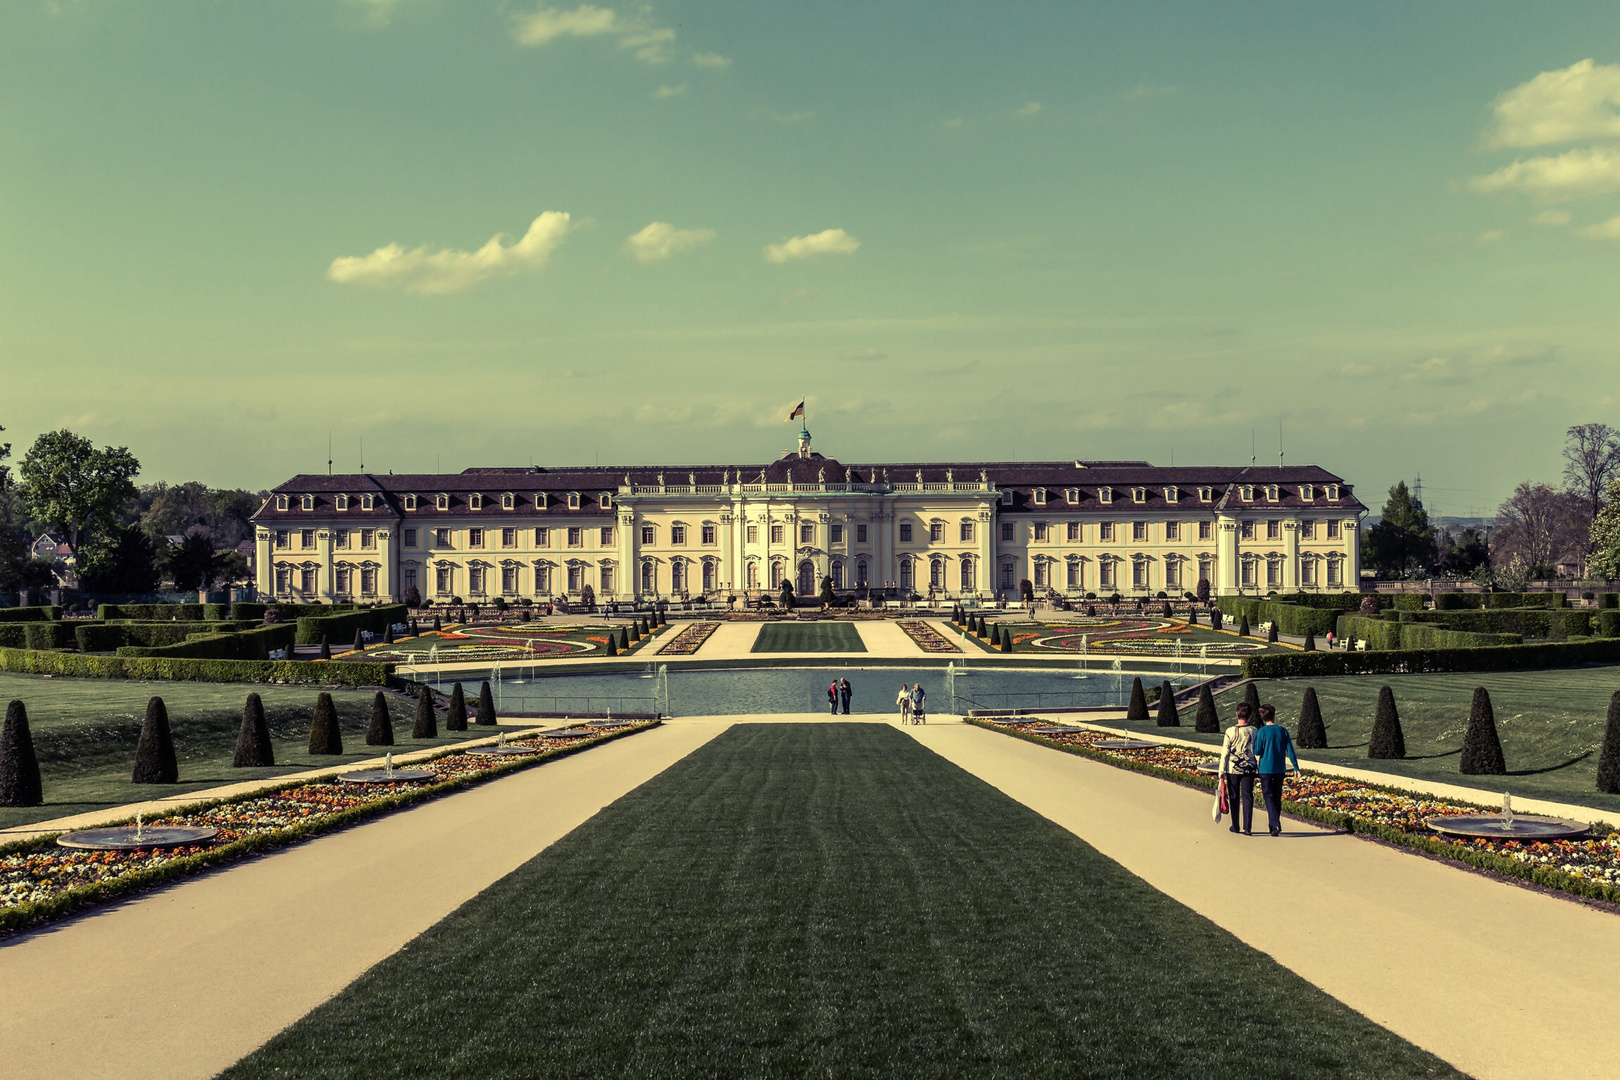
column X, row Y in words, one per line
column 425, row 725
column 438, row 624
column 1310, row 641
column 388, row 635
column 358, row 644
column 253, row 748
column 1006, row 640
column 1138, row 709
column 611, row 646
column 154, row 753
column 1215, row 619
column 324, row 735
column 1312, row 734
column 455, row 717
column 1271, row 634
column 380, row 731
column 1243, row 625
column 1192, row 616
column 624, row 638
column 1387, row 740
column 633, row 632
column 1251, row 698
column 1208, row 722
column 1608, row 774
column 1482, row 749
column 19, row 767
column 486, row 706
column 326, row 648
column 1168, row 716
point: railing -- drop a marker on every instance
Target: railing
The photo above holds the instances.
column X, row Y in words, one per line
column 805, row 488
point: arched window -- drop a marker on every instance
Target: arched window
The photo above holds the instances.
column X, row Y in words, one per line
column 677, row 577
column 936, row 573
column 860, row 573
column 1008, row 572
column 967, row 575
column 708, row 576
column 777, row 571
column 807, row 578
column 838, row 575
column 1076, row 578
column 905, row 575
column 753, row 574
column 649, row 578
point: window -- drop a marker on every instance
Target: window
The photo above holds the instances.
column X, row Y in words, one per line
column 475, row 538
column 306, row 578
column 442, row 502
column 776, row 573
column 1333, row 530
column 1307, row 492
column 1040, row 496
column 1072, row 531
column 1246, row 530
column 753, row 534
column 837, row 575
column 340, row 538
column 281, row 502
column 368, row 539
column 576, row 538
column 1271, row 492
column 1307, row 572
column 508, row 501
column 1006, row 532
column 368, row 581
column 282, row 538
column 1335, row 574
column 1074, row 580
column 306, row 539
column 1139, row 574
column 807, row 533
column 410, row 538
column 967, row 575
column 1105, row 574
column 1172, row 530
column 1007, row 575
column 709, row 576
column 1333, row 492
column 308, row 502
column 1206, row 494
column 1040, row 573
column 1273, row 573
column 410, row 502
column 905, row 532
column 936, row 573
column 605, row 536
column 1139, row 531
column 1206, row 530
column 1172, row 494
column 508, row 538
column 475, row 580
column 1247, row 576
column 340, row 582
column 752, row 575
column 441, row 538
column 677, row 577
column 1206, row 568
column 677, row 534
column 407, row 577
column 1040, row 531
column 778, row 534
column 606, row 503
column 442, row 581
column 1273, row 530
column 1105, row 530
column 860, row 534
column 1172, row 573
column 606, row 577
column 905, row 575
column 573, row 501
column 576, row 578
column 340, row 502
column 966, row 533
column 936, row 532
column 542, row 538
column 1246, row 493
column 1139, row 495
column 1105, row 495
column 860, row 573
column 708, row 534
column 509, row 581
column 368, row 502
column 836, row 533
column 649, row 535
column 1072, row 496
column 542, row 578
column 1006, row 498
column 475, row 501
column 1307, row 529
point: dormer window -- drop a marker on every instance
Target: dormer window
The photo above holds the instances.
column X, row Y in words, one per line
column 475, row 501
column 1333, row 492
column 442, row 502
column 309, row 502
column 1040, row 496
column 1105, row 495
column 1072, row 496
column 1139, row 495
column 410, row 502
column 1006, row 498
column 281, row 502
column 368, row 502
column 1271, row 492
column 606, row 501
column 1172, row 494
column 1206, row 494
column 573, row 500
column 1307, row 492
column 341, row 502
column 508, row 501
column 1246, row 493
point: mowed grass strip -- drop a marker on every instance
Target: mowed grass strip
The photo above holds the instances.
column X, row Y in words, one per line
column 826, row 637
column 831, row 901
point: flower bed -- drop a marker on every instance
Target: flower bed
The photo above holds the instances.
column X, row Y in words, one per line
column 690, row 640
column 1587, row 867
column 40, row 881
column 927, row 638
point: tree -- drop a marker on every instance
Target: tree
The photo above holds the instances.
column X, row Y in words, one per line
column 1387, row 739
column 325, row 737
column 14, row 554
column 1169, row 716
column 1202, row 592
column 123, row 561
column 1312, row 734
column 1604, row 562
column 1138, row 706
column 1461, row 554
column 1402, row 540
column 380, row 730
column 1541, row 526
column 1482, row 749
column 827, row 590
column 787, row 591
column 154, row 752
column 425, row 723
column 253, row 746
column 75, row 488
column 19, row 767
column 193, row 562
column 1608, row 772
column 1208, row 722
column 1591, row 462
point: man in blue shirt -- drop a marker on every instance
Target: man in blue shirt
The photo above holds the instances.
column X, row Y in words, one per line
column 1274, row 751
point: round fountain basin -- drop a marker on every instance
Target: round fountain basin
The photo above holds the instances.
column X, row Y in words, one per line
column 1053, row 729
column 502, row 751
column 1127, row 744
column 383, row 776
column 123, row 837
column 568, row 733
column 1498, row 827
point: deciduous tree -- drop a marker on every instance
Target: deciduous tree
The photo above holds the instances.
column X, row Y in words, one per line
column 75, row 488
column 1591, row 462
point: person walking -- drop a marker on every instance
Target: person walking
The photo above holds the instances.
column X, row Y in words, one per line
column 904, row 701
column 844, row 692
column 919, row 707
column 1273, row 752
column 832, row 697
column 1237, row 770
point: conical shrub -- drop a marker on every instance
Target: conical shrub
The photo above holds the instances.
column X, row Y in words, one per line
column 1215, row 619
column 425, row 725
column 1312, row 734
column 253, row 748
column 1006, row 640
column 1251, row 698
column 324, row 734
column 1168, row 716
column 1166, row 611
column 380, row 731
column 388, row 635
column 455, row 717
column 1192, row 616
column 486, row 706
column 1138, row 708
column 1387, row 740
column 1482, row 749
column 1208, row 721
column 438, row 624
column 19, row 767
column 326, row 648
column 1608, row 774
column 611, row 646
column 1310, row 641
column 624, row 639
column 154, row 753
column 1271, row 634
column 358, row 643
column 1243, row 625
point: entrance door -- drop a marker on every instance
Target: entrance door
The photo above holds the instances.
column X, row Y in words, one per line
column 807, row 579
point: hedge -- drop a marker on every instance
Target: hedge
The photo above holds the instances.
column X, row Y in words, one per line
column 1527, row 622
column 47, row 635
column 1409, row 601
column 100, row 636
column 13, row 635
column 246, row 645
column 151, row 612
column 1384, row 634
column 30, row 614
column 1608, row 623
column 1295, row 619
column 1608, row 600
column 1459, row 601
column 343, row 626
column 181, row 669
column 243, row 609
column 1342, row 601
column 1552, row 654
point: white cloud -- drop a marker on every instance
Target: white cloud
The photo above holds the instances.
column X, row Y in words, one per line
column 670, row 91
column 826, row 242
column 448, row 270
column 1591, row 170
column 1604, row 230
column 1551, row 217
column 660, row 240
column 1491, row 236
column 1029, row 108
column 711, row 60
column 650, row 44
column 1581, row 101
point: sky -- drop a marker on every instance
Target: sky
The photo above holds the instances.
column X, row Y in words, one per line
column 1382, row 237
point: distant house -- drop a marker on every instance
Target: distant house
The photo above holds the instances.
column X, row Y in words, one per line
column 50, row 548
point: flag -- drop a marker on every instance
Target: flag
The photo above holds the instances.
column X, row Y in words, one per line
column 798, row 411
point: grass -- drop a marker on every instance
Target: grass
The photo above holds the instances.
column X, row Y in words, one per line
column 828, row 901
column 85, row 732
column 1550, row 722
column 816, row 637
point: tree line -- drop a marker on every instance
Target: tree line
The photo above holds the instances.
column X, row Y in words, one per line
column 1539, row 528
column 119, row 531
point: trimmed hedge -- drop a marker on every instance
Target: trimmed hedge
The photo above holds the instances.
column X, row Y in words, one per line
column 1529, row 622
column 44, row 613
column 345, row 625
column 1342, row 601
column 47, row 635
column 181, row 669
column 1384, row 634
column 151, row 612
column 1552, row 654
column 1294, row 619
column 1608, row 623
column 1459, row 601
column 246, row 645
column 100, row 637
column 245, row 609
column 13, row 635
column 1407, row 601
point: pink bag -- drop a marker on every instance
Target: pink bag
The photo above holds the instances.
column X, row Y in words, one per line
column 1221, row 806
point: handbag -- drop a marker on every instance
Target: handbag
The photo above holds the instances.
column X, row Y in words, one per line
column 1221, row 806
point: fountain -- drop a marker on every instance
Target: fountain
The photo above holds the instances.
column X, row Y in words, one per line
column 1507, row 825
column 1119, row 679
column 131, row 837
column 389, row 775
column 502, row 749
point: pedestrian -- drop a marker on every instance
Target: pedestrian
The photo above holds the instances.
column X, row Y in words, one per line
column 1237, row 770
column 919, row 707
column 1273, row 751
column 844, row 692
column 832, row 697
column 1330, row 641
column 904, row 701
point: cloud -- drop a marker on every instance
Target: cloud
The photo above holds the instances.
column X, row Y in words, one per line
column 1491, row 236
column 1029, row 108
column 826, row 242
column 1551, row 217
column 1605, row 230
column 448, row 270
column 651, row 44
column 669, row 91
column 1591, row 170
column 660, row 240
column 711, row 60
column 1581, row 101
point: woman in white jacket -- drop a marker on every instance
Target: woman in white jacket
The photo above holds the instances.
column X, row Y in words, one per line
column 1239, row 768
column 904, row 701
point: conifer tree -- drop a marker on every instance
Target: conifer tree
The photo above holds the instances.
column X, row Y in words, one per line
column 1312, row 734
column 1243, row 625
column 1168, row 715
column 253, row 746
column 1208, row 721
column 455, row 717
column 486, row 706
column 425, row 723
column 611, row 646
column 1138, row 706
column 358, row 643
column 1310, row 641
column 1251, row 698
column 154, row 752
column 326, row 648
column 1271, row 634
column 1387, row 740
column 380, row 731
column 1482, row 749
column 1608, row 773
column 325, row 737
column 19, row 767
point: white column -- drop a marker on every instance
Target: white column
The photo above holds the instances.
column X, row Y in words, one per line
column 1291, row 556
column 1226, row 556
column 326, row 587
column 628, row 549
column 388, row 552
column 264, row 573
column 1352, row 555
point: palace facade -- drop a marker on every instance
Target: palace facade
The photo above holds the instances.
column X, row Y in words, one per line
column 968, row 529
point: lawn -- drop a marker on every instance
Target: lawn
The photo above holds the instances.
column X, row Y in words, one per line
column 506, row 642
column 1131, row 635
column 813, row 637
column 1550, row 723
column 831, row 901
column 85, row 732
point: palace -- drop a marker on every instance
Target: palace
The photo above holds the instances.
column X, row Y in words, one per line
column 945, row 531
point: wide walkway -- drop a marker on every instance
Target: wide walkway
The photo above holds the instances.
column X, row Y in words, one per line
column 1499, row 980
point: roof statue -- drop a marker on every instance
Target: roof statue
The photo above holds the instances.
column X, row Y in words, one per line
column 919, row 476
column 691, row 478
column 821, row 476
column 848, row 474
column 660, row 479
column 984, row 476
column 950, row 476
